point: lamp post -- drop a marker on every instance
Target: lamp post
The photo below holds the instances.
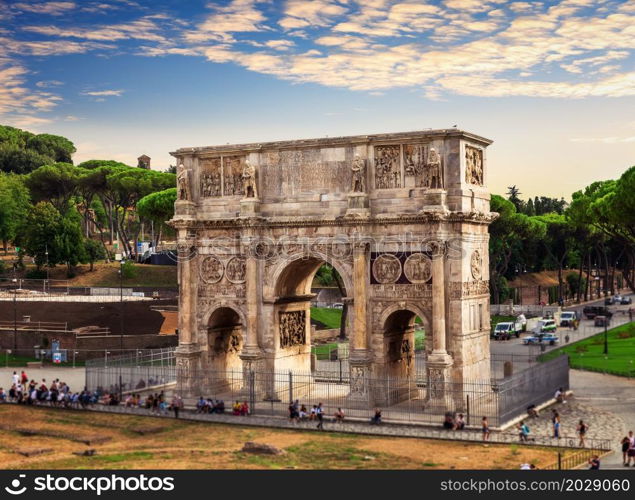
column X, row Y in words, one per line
column 121, row 260
column 15, row 315
column 46, row 252
column 606, row 336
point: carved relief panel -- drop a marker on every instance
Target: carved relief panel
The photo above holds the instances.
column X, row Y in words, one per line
column 233, row 175
column 211, row 269
column 414, row 160
column 473, row 165
column 235, row 271
column 210, row 177
column 387, row 167
column 292, row 328
column 418, row 268
column 386, row 268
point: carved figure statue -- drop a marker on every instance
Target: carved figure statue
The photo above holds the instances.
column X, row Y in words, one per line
column 434, row 178
column 359, row 174
column 184, row 185
column 249, row 180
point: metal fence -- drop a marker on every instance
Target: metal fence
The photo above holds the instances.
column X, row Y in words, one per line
column 532, row 386
column 402, row 400
column 135, row 371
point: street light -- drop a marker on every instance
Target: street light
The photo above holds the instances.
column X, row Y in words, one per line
column 606, row 335
column 15, row 315
column 121, row 260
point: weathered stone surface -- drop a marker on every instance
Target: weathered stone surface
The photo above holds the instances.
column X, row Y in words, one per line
column 403, row 219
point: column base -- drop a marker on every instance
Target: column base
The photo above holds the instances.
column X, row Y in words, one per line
column 189, row 379
column 435, row 200
column 249, row 206
column 358, row 205
column 184, row 209
column 439, row 394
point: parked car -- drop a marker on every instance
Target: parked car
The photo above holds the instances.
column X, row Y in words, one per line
column 541, row 338
column 567, row 318
column 545, row 326
column 505, row 330
column 337, row 305
column 626, row 300
column 601, row 321
column 592, row 311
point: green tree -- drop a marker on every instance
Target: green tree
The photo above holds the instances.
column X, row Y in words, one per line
column 509, row 233
column 46, row 229
column 513, row 195
column 22, row 152
column 56, row 183
column 14, row 205
column 159, row 208
column 94, row 251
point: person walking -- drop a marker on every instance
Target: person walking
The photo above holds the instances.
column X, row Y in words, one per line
column 319, row 412
column 485, row 429
column 555, row 421
column 626, row 444
column 631, row 449
column 177, row 405
column 582, row 430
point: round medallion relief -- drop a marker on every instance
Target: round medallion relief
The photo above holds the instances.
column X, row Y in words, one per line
column 418, row 268
column 235, row 270
column 476, row 263
column 211, row 269
column 386, row 268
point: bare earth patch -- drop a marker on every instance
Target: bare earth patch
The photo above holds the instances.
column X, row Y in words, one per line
column 188, row 445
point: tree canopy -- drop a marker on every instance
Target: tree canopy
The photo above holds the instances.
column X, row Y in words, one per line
column 22, row 152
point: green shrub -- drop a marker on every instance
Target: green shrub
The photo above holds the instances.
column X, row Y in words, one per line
column 36, row 274
column 129, row 270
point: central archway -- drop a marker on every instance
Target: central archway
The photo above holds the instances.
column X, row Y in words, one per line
column 293, row 279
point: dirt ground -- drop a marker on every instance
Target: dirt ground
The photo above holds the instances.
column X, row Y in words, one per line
column 138, row 317
column 171, row 444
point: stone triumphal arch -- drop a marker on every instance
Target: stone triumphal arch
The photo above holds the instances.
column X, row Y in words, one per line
column 402, row 217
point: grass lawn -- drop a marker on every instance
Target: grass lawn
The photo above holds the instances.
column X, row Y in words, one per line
column 588, row 354
column 107, row 275
column 21, row 361
column 176, row 444
column 330, row 318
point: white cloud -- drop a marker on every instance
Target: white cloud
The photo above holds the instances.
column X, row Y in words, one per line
column 304, row 13
column 51, row 8
column 104, row 93
column 604, row 140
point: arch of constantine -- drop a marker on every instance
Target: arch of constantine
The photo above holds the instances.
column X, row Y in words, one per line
column 402, row 217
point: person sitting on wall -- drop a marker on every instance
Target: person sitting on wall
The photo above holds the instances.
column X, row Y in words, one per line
column 532, row 411
column 448, row 422
column 244, row 409
column 303, row 413
column 376, row 419
column 339, row 416
column 219, row 406
column 236, row 408
column 459, row 423
column 201, row 405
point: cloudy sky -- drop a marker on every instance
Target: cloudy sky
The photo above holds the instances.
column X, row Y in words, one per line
column 552, row 82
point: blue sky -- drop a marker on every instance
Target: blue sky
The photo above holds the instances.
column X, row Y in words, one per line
column 551, row 82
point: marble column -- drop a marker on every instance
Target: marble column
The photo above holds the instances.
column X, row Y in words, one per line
column 439, row 362
column 359, row 354
column 188, row 352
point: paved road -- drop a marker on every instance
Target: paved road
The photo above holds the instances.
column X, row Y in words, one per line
column 586, row 329
column 610, row 393
column 74, row 377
